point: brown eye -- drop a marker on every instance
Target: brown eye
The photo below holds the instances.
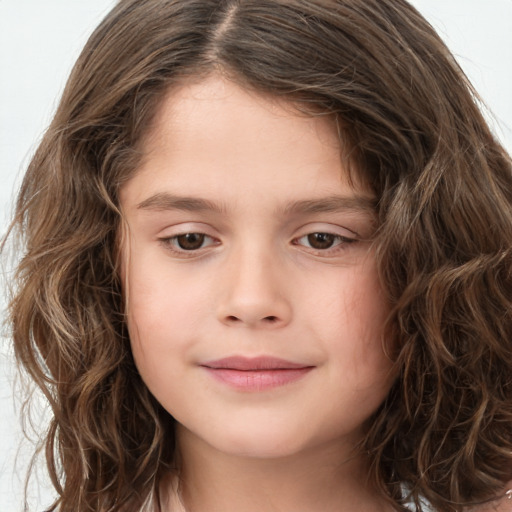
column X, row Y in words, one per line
column 324, row 244
column 190, row 241
column 321, row 240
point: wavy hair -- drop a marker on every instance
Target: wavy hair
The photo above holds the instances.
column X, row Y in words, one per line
column 411, row 123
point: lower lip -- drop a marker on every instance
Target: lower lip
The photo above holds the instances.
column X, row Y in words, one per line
column 258, row 380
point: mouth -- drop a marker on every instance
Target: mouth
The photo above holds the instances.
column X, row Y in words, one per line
column 256, row 374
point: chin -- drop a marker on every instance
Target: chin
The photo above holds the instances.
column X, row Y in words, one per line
column 261, row 448
column 260, row 441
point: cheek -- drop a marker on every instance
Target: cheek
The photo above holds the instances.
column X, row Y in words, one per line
column 151, row 306
column 369, row 311
column 166, row 311
column 152, row 313
column 354, row 319
column 352, row 302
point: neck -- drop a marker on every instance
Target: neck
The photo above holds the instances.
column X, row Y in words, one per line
column 329, row 478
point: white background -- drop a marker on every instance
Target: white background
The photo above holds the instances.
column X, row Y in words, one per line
column 39, row 41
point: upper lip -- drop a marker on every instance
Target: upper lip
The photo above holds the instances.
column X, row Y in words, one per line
column 253, row 363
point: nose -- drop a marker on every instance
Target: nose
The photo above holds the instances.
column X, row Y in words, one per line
column 254, row 293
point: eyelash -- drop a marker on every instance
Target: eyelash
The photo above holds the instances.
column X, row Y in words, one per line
column 173, row 243
column 337, row 243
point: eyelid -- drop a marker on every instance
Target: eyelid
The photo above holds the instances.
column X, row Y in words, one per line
column 328, row 228
column 170, row 244
column 183, row 228
column 168, row 238
column 341, row 243
column 344, row 238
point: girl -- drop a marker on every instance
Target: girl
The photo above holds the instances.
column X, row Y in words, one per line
column 267, row 266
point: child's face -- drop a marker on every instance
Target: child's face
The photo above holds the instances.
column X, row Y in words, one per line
column 276, row 264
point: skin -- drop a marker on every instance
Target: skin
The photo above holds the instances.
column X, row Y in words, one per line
column 281, row 265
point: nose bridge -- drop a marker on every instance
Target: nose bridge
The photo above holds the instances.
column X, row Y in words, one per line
column 253, row 289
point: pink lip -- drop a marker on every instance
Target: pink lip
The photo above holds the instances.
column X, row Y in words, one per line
column 255, row 374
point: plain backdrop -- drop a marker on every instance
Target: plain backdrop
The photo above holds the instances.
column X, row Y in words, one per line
column 39, row 41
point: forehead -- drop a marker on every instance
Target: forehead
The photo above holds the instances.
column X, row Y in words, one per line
column 213, row 136
column 198, row 106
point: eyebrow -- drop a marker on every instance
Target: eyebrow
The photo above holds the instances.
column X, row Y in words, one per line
column 332, row 204
column 163, row 201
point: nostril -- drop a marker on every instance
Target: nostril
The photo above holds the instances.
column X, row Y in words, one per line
column 269, row 319
column 252, row 319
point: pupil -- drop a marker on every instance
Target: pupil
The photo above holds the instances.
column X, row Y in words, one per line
column 190, row 241
column 321, row 240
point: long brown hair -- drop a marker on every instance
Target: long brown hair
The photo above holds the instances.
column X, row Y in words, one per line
column 409, row 120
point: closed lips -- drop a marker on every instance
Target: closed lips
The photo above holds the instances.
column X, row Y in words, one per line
column 253, row 364
column 256, row 374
